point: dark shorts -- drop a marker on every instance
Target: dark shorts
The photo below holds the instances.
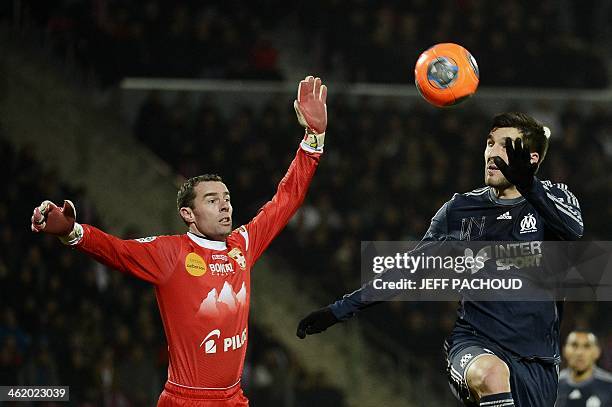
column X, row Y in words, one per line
column 533, row 382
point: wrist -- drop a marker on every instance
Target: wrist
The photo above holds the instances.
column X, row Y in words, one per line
column 526, row 185
column 74, row 236
column 313, row 142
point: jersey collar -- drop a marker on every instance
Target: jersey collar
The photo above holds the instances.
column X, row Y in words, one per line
column 207, row 243
column 505, row 202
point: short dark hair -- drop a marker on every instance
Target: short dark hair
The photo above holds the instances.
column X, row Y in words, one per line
column 186, row 193
column 532, row 131
column 587, row 332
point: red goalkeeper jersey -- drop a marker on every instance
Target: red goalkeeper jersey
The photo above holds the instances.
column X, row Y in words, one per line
column 203, row 286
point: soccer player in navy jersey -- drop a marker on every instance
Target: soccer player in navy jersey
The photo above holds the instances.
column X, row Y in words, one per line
column 499, row 353
column 582, row 383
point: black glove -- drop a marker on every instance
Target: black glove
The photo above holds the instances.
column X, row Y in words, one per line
column 519, row 171
column 316, row 322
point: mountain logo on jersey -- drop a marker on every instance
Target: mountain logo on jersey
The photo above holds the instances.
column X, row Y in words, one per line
column 238, row 257
column 195, row 265
column 528, row 224
column 227, row 302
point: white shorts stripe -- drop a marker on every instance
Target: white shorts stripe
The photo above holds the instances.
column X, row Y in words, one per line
column 203, row 388
column 496, row 403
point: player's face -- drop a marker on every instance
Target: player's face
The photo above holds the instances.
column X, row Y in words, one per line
column 580, row 351
column 212, row 210
column 496, row 146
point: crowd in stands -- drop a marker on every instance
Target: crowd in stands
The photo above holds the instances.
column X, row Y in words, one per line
column 114, row 39
column 67, row 320
column 384, row 174
column 517, row 43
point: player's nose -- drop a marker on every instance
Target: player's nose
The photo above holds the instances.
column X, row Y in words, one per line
column 496, row 150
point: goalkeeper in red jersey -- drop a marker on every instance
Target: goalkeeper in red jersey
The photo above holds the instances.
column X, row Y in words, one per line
column 202, row 278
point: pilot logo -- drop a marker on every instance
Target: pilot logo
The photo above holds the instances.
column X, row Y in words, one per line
column 235, row 342
column 528, row 224
column 195, row 265
column 210, row 344
column 231, row 343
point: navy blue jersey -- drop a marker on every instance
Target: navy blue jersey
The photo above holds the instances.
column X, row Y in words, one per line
column 596, row 391
column 546, row 212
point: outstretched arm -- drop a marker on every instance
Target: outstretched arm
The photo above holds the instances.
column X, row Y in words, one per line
column 351, row 304
column 311, row 109
column 149, row 259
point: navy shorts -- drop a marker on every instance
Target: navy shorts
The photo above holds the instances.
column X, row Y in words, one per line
column 533, row 382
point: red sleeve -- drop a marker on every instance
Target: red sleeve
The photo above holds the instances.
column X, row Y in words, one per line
column 275, row 214
column 151, row 259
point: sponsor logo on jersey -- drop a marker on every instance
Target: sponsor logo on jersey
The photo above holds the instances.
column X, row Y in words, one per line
column 528, row 224
column 209, row 342
column 221, row 269
column 221, row 257
column 237, row 255
column 505, row 215
column 230, row 343
column 195, row 265
column 146, row 239
column 518, row 255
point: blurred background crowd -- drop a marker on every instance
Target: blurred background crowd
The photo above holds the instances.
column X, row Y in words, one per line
column 387, row 169
column 523, row 42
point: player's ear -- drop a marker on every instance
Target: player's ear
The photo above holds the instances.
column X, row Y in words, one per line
column 535, row 157
column 187, row 214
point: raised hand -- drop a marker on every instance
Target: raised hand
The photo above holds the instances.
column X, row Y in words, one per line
column 520, row 170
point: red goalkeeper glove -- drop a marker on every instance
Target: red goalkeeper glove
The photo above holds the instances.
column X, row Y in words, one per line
column 311, row 112
column 49, row 218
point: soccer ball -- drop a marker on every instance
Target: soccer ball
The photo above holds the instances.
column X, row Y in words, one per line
column 446, row 74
